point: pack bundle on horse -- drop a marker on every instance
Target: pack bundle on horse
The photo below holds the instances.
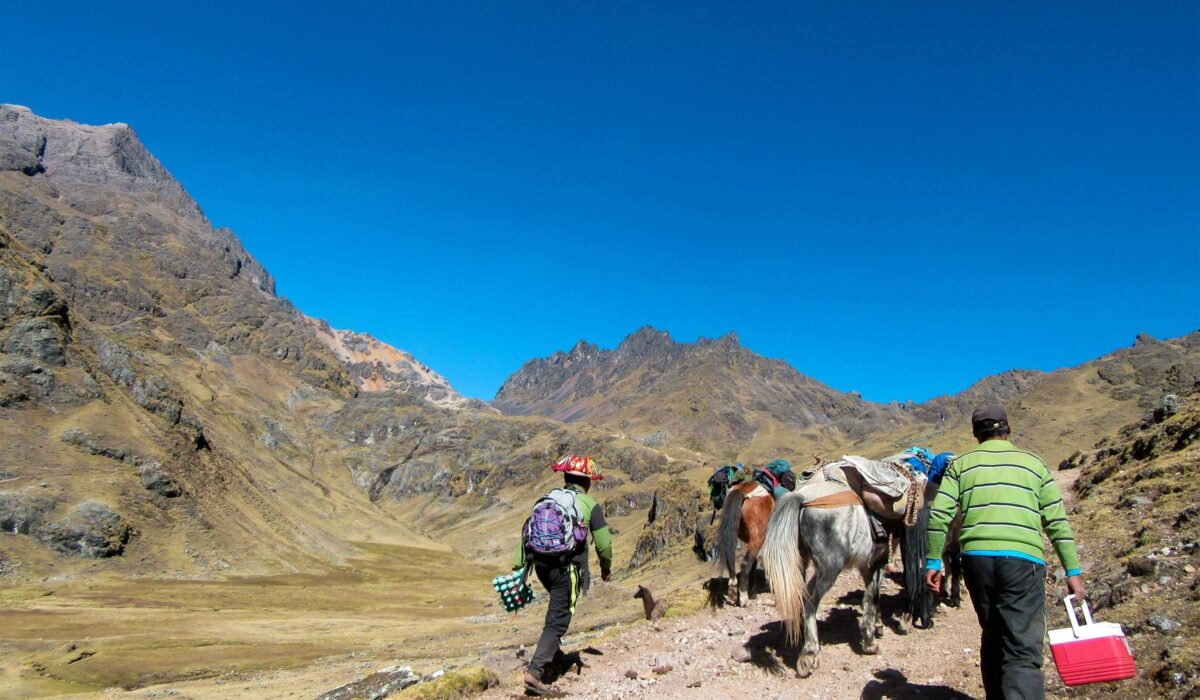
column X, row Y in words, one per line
column 823, row 529
column 747, row 497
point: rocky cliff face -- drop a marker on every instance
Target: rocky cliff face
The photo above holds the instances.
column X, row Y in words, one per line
column 377, row 366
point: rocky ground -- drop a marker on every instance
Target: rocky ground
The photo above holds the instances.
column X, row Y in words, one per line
column 695, row 656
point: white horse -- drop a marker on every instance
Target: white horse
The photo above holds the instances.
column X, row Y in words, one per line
column 810, row 540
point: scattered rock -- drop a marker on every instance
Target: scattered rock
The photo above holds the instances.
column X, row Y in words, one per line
column 1135, row 502
column 92, row 444
column 153, row 478
column 741, row 654
column 1141, row 566
column 663, row 670
column 694, row 684
column 1162, row 623
column 376, row 686
column 631, row 674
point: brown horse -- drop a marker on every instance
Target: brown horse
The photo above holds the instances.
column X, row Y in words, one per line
column 744, row 519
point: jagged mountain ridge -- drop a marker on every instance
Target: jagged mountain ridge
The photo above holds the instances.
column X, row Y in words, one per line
column 705, row 394
column 716, row 393
column 651, row 382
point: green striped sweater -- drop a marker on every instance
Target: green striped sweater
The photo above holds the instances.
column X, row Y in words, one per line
column 1008, row 497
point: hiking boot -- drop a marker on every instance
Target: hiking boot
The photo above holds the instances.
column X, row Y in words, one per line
column 538, row 689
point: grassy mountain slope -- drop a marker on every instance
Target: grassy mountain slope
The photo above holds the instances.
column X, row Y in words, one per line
column 1137, row 516
column 150, row 346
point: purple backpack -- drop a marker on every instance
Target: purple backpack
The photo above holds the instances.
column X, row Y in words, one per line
column 556, row 525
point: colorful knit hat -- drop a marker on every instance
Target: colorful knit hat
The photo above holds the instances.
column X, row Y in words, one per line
column 580, row 465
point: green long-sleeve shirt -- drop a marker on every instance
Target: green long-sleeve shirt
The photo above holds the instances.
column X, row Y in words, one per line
column 593, row 520
column 1008, row 497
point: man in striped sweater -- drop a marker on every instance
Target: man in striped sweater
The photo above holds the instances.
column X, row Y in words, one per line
column 1008, row 498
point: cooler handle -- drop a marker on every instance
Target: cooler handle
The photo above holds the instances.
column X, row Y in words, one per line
column 1087, row 613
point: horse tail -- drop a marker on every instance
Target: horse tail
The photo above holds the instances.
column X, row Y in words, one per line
column 782, row 561
column 913, row 552
column 727, row 533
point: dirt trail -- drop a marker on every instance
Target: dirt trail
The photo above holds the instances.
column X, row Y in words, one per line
column 938, row 663
column 942, row 662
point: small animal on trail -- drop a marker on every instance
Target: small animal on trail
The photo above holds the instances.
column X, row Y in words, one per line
column 653, row 609
column 743, row 518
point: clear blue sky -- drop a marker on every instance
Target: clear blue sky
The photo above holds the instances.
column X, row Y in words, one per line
column 1016, row 183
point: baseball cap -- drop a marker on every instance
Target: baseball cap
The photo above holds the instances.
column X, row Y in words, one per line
column 988, row 416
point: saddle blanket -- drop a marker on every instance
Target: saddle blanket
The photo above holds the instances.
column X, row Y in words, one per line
column 758, row 492
column 880, row 476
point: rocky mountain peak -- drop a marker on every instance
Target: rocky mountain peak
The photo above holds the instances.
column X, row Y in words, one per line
column 82, row 157
column 377, row 366
column 645, row 341
column 727, row 342
column 583, row 350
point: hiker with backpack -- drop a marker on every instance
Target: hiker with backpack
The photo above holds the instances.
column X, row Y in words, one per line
column 554, row 543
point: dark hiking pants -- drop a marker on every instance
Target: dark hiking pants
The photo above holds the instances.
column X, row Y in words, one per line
column 1009, row 598
column 563, row 583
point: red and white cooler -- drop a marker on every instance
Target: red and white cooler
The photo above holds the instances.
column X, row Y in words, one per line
column 1094, row 652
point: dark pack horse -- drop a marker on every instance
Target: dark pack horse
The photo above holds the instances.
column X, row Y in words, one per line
column 814, row 534
column 744, row 517
column 917, row 601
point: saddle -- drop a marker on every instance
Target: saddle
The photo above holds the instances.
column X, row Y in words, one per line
column 889, row 489
column 822, row 493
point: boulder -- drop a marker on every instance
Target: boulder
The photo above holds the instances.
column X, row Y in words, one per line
column 153, row 478
column 39, row 339
column 1162, row 623
column 91, row 529
column 22, row 512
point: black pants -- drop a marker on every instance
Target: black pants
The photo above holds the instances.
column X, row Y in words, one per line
column 1009, row 598
column 563, row 583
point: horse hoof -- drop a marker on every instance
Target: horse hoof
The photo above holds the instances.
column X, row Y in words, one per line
column 871, row 649
column 879, row 633
column 806, row 665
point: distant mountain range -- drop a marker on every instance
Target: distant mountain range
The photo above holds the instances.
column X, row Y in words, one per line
column 716, row 395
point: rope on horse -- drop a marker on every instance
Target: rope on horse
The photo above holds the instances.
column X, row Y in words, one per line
column 840, row 499
column 912, row 509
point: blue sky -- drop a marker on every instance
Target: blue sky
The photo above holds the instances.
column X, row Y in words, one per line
column 1001, row 185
